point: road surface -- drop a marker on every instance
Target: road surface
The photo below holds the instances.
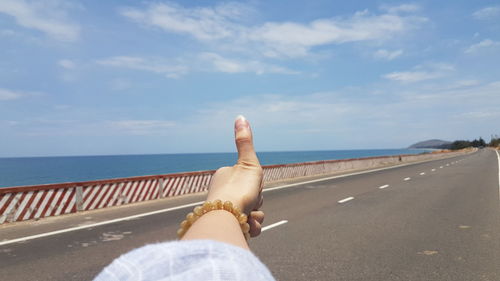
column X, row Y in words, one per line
column 438, row 220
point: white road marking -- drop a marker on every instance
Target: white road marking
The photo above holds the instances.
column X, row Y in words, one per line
column 336, row 177
column 97, row 224
column 383, row 186
column 498, row 156
column 440, row 167
column 447, row 164
column 273, row 225
column 422, row 173
column 31, row 237
column 407, row 179
column 346, row 199
column 433, row 170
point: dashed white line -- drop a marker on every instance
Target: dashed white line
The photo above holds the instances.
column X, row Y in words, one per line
column 407, row 179
column 440, row 167
column 345, row 200
column 335, row 177
column 6, row 242
column 423, row 173
column 433, row 170
column 274, row 225
column 447, row 164
column 383, row 186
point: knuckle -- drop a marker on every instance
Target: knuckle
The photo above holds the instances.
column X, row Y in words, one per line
column 260, row 170
column 254, row 165
column 244, row 139
column 222, row 170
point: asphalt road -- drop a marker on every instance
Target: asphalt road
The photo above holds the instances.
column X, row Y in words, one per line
column 438, row 220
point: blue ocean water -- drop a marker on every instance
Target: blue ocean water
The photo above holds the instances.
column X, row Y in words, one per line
column 43, row 170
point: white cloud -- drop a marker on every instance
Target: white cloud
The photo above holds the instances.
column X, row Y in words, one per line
column 202, row 23
column 46, row 16
column 412, row 76
column 480, row 114
column 335, row 117
column 296, row 39
column 274, row 39
column 168, row 69
column 237, row 66
column 68, row 64
column 7, row 32
column 403, row 8
column 487, row 43
column 202, row 62
column 388, row 55
column 421, row 72
column 6, row 95
column 487, row 13
column 141, row 127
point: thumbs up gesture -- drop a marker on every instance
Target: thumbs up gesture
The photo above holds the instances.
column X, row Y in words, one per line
column 242, row 183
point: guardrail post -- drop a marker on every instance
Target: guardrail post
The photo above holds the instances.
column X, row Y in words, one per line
column 160, row 188
column 79, row 198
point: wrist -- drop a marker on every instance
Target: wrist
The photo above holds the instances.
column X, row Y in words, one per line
column 219, row 209
column 237, row 202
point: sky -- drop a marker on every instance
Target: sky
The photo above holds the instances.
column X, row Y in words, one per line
column 143, row 77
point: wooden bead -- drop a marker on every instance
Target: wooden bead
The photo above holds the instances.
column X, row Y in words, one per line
column 215, row 205
column 185, row 224
column 191, row 218
column 207, row 206
column 181, row 232
column 245, row 227
column 218, row 204
column 228, row 206
column 198, row 211
column 236, row 211
column 242, row 218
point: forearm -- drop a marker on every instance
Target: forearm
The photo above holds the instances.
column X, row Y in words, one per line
column 217, row 225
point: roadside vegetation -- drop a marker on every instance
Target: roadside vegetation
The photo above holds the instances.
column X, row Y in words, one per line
column 461, row 144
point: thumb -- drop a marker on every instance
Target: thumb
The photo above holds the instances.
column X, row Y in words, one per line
column 244, row 142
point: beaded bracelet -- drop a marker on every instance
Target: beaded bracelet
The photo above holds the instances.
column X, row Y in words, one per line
column 213, row 206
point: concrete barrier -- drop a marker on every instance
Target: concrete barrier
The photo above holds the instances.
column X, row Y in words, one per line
column 39, row 201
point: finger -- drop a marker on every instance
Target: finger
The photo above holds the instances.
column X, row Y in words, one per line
column 261, row 201
column 244, row 142
column 255, row 227
column 257, row 216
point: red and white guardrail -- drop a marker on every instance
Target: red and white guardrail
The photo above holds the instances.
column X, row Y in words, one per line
column 39, row 201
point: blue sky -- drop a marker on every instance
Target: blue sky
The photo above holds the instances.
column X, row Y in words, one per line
column 132, row 77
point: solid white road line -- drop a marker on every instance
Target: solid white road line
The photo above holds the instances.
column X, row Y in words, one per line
column 6, row 242
column 407, row 179
column 422, row 173
column 498, row 156
column 345, row 200
column 274, row 225
column 383, row 186
column 97, row 224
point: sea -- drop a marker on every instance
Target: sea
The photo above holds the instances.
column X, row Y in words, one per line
column 43, row 170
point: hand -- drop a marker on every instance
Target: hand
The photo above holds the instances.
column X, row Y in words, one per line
column 242, row 183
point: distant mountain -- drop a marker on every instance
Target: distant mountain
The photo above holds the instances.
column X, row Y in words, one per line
column 438, row 144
